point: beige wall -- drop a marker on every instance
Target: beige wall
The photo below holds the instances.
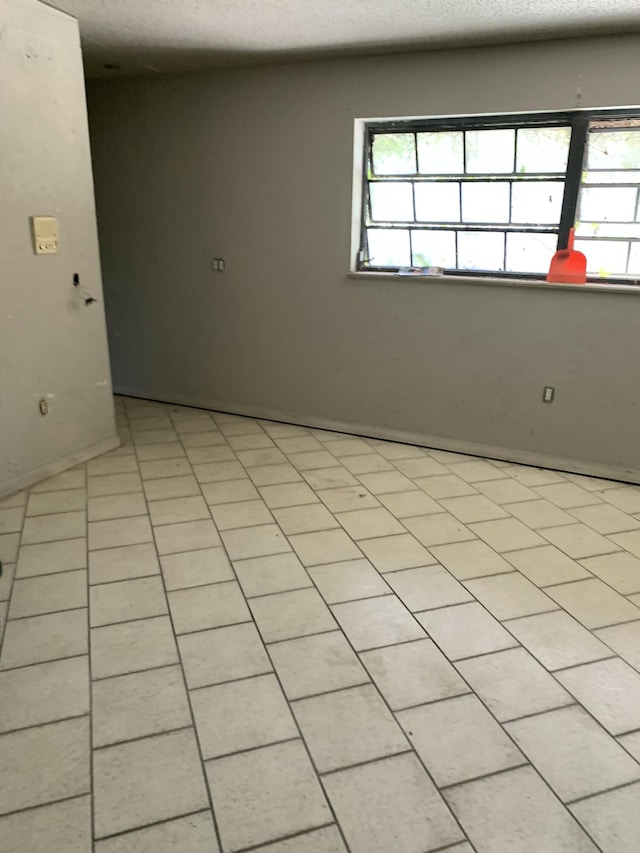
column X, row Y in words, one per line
column 255, row 165
column 51, row 346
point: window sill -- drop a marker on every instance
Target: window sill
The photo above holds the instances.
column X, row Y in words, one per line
column 498, row 282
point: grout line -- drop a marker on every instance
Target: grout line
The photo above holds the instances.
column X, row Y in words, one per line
column 264, row 845
column 148, row 736
column 508, row 722
column 162, row 820
column 41, row 662
column 258, row 746
column 613, row 656
column 44, row 723
column 46, row 613
column 482, row 776
column 623, row 785
column 376, row 760
column 47, row 803
column 302, row 636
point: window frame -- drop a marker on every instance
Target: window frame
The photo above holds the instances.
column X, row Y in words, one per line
column 578, row 120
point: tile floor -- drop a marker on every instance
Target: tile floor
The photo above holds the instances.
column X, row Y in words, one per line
column 232, row 635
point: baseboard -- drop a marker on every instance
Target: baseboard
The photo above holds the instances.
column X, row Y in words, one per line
column 521, row 457
column 49, row 469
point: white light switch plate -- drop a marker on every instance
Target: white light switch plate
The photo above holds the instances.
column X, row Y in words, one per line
column 45, row 235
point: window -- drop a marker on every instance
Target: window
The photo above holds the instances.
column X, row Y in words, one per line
column 497, row 195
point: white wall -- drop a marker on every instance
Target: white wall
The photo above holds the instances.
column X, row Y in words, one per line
column 255, row 165
column 51, row 345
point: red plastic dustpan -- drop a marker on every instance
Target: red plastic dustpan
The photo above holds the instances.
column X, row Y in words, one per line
column 568, row 265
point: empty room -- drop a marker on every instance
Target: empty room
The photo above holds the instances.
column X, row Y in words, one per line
column 319, row 426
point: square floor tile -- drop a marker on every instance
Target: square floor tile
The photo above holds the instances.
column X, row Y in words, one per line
column 165, row 488
column 465, row 630
column 241, row 715
column 369, row 523
column 154, row 436
column 626, row 498
column 446, row 486
column 273, row 475
column 59, row 826
column 216, row 472
column 241, row 514
column 593, row 603
column 111, row 465
column 459, row 740
column 50, row 528
column 196, row 568
column 473, row 508
column 391, row 805
column 160, row 468
column 510, row 596
column 74, row 479
column 229, row 492
column 299, row 444
column 275, row 573
column 32, row 695
column 147, row 780
column 348, row 446
column 144, row 703
column 44, row 763
column 194, row 833
column 329, row 546
column 424, row 466
column 533, row 476
column 573, row 753
column 348, row 727
column 132, row 646
column 43, row 638
column 505, row 491
column 383, row 482
column 51, row 558
column 316, row 664
column 507, row 534
column 291, row 614
column 516, row 811
column 413, row 673
column 366, row 463
column 330, row 478
column 438, row 529
column 578, row 541
column 612, row 819
column 628, row 541
column 312, row 460
column 255, row 542
column 327, row 840
column 120, row 531
column 546, row 565
column 124, row 563
column 222, row 654
column 408, row 504
column 608, row 689
column 6, row 580
column 48, row 594
column 375, row 622
column 391, row 553
column 395, row 450
column 265, row 794
column 349, row 497
column 288, row 494
column 512, row 683
column 604, row 519
column 348, row 581
column 625, row 640
column 158, row 452
column 567, row 495
column 116, row 506
column 304, row 519
column 539, row 514
column 188, row 536
column 427, row 587
column 176, row 510
column 48, row 502
column 114, row 484
column 204, row 607
column 477, row 471
column 123, row 601
column 557, row 640
column 631, row 743
column 470, row 559
column 211, row 453
column 198, row 439
column 620, row 570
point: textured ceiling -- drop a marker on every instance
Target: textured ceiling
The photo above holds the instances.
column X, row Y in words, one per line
column 178, row 35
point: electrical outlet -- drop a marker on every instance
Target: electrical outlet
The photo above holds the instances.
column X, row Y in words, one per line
column 548, row 394
column 217, row 264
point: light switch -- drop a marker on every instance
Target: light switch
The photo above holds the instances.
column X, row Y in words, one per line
column 45, row 235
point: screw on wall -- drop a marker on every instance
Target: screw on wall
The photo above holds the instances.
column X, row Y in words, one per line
column 548, row 393
column 43, row 406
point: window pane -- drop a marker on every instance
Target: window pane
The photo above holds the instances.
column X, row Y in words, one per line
column 611, row 178
column 480, row 251
column 603, row 204
column 603, row 229
column 394, row 154
column 434, row 249
column 391, row 202
column 441, row 153
column 634, row 259
column 438, row 202
column 543, row 149
column 485, row 202
column 538, row 203
column 604, row 258
column 389, row 247
column 490, row 151
column 530, row 253
column 619, row 149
